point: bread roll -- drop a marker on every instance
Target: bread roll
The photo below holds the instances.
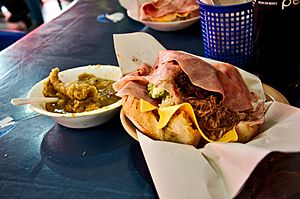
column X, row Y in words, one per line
column 179, row 129
column 246, row 131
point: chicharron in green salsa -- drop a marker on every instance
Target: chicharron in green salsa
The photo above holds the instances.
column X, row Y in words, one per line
column 85, row 94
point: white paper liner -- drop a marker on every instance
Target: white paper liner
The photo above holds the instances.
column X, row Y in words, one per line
column 218, row 170
column 180, row 171
column 132, row 6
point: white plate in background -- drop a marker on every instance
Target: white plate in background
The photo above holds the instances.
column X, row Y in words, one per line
column 166, row 26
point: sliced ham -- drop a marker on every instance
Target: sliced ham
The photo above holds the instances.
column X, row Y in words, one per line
column 136, row 90
column 135, row 84
column 161, row 8
column 138, row 76
column 235, row 87
column 200, row 72
column 221, row 78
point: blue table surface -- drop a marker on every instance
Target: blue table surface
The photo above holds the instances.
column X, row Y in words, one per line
column 42, row 159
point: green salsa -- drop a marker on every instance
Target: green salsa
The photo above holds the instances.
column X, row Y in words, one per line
column 85, row 94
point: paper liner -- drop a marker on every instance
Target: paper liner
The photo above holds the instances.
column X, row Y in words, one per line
column 218, row 170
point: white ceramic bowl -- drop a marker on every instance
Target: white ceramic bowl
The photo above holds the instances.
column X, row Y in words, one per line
column 165, row 26
column 85, row 119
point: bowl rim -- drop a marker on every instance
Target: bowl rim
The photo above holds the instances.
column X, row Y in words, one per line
column 82, row 114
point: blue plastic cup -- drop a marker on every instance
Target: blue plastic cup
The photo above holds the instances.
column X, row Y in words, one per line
column 227, row 32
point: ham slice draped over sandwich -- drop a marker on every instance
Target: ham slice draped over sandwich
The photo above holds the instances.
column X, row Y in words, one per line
column 169, row 10
column 182, row 99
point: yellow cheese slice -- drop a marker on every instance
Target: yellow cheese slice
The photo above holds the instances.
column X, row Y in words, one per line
column 230, row 136
column 182, row 14
column 146, row 106
column 165, row 114
column 170, row 17
column 166, row 18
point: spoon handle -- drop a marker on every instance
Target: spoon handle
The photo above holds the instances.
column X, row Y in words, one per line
column 24, row 101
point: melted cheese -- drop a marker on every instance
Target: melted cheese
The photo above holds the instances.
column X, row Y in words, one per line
column 146, row 106
column 169, row 17
column 165, row 114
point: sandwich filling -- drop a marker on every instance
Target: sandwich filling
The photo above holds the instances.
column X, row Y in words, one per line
column 216, row 98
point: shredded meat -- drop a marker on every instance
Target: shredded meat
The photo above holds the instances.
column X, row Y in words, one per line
column 214, row 118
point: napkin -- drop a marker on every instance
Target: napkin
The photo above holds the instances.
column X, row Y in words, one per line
column 218, row 170
column 132, row 6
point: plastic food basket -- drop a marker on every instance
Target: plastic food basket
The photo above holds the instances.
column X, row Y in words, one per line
column 227, row 32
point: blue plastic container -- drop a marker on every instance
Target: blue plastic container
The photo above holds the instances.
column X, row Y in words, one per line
column 9, row 37
column 227, row 32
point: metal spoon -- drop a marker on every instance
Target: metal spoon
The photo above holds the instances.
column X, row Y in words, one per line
column 33, row 100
